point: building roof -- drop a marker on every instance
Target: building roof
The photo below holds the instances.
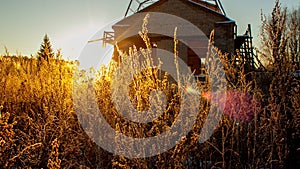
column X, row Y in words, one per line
column 202, row 5
column 214, row 7
column 185, row 9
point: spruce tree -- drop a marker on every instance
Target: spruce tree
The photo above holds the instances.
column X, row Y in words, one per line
column 45, row 51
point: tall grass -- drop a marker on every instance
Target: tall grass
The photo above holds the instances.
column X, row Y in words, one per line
column 37, row 109
column 39, row 127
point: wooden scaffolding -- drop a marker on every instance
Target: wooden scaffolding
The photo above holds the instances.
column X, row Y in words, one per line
column 244, row 48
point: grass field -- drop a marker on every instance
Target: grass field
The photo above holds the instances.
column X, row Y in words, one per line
column 40, row 129
column 41, row 125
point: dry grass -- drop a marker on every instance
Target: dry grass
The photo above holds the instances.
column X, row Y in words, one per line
column 40, row 129
column 37, row 109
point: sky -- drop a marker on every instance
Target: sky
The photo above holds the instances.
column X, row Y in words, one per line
column 71, row 23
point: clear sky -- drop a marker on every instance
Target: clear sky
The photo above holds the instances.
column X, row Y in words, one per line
column 71, row 23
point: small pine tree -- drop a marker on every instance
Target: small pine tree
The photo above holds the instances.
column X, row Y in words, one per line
column 46, row 51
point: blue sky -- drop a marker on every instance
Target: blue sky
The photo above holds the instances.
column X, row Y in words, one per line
column 71, row 23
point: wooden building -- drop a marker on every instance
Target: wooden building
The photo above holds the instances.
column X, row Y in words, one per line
column 205, row 15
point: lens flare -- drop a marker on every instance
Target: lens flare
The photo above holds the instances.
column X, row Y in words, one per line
column 239, row 105
column 191, row 90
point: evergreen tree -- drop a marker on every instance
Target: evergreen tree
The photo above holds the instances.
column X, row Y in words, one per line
column 45, row 51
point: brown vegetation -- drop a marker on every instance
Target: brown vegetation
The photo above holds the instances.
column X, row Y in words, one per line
column 40, row 129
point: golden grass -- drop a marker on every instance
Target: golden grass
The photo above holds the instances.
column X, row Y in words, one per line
column 39, row 127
